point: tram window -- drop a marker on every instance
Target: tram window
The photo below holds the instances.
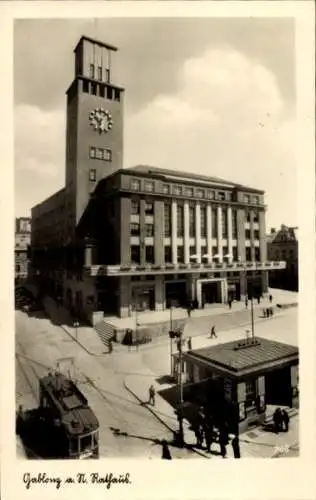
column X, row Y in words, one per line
column 85, row 442
column 95, row 438
column 73, row 445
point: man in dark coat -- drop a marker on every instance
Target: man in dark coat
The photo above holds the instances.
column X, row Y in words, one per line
column 152, row 394
column 208, row 433
column 189, row 344
column 166, row 455
column 235, row 446
column 213, row 334
column 285, row 420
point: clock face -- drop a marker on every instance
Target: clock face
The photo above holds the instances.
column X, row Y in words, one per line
column 101, row 120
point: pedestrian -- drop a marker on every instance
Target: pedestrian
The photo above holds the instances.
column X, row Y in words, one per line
column 152, row 394
column 230, row 304
column 110, row 347
column 236, row 447
column 268, row 312
column 285, row 420
column 190, row 344
column 199, row 435
column 222, row 443
column 270, row 298
column 189, row 311
column 277, row 419
column 213, row 334
column 166, row 455
column 246, row 303
column 258, row 299
column 208, row 433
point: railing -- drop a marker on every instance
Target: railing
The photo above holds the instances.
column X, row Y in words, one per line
column 129, row 269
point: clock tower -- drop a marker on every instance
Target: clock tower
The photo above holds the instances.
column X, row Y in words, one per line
column 94, row 142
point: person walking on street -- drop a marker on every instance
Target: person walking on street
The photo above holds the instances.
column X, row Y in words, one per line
column 246, row 302
column 166, row 455
column 258, row 299
column 236, row 447
column 222, row 443
column 152, row 394
column 190, row 344
column 189, row 311
column 208, row 433
column 277, row 419
column 230, row 304
column 285, row 420
column 270, row 298
column 213, row 334
column 110, row 347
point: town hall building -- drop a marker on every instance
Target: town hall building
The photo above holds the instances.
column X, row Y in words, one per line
column 115, row 239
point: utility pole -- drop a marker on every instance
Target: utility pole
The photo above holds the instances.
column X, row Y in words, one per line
column 181, row 434
column 171, row 339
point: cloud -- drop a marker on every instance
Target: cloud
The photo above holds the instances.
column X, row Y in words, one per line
column 39, row 153
column 227, row 119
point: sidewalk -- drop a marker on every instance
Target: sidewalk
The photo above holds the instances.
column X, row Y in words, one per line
column 255, row 443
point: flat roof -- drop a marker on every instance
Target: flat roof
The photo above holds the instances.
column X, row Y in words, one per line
column 95, row 41
column 178, row 175
column 231, row 357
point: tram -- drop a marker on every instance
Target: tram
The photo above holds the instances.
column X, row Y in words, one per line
column 63, row 426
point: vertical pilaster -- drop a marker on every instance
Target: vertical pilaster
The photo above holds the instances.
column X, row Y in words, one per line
column 209, row 231
column 241, row 234
column 159, row 232
column 142, row 249
column 186, row 233
column 174, row 231
column 252, row 237
column 230, row 232
column 262, row 236
column 198, row 231
column 219, row 233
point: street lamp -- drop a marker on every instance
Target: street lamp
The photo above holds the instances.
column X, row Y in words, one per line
column 76, row 326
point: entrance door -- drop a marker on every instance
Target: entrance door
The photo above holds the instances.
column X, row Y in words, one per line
column 278, row 387
column 176, row 294
column 211, row 292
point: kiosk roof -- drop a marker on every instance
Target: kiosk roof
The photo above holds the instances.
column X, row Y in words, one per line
column 230, row 356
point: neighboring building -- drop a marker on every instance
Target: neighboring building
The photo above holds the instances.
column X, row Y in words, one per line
column 240, row 378
column 144, row 237
column 22, row 247
column 282, row 245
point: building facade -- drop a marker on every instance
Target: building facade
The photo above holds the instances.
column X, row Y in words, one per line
column 22, row 247
column 283, row 245
column 116, row 239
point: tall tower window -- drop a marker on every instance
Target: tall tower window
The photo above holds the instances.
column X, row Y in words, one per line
column 85, row 86
column 234, row 223
column 107, row 75
column 109, row 93
column 91, row 71
column 94, row 87
column 92, row 175
column 116, row 95
column 100, row 73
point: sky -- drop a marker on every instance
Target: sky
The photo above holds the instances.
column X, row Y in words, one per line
column 214, row 96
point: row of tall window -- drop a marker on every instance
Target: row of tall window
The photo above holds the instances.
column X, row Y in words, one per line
column 96, row 73
column 190, row 192
column 101, row 90
column 148, row 208
column 150, row 254
column 203, row 221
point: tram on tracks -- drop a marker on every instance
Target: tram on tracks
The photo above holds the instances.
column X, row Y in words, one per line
column 64, row 425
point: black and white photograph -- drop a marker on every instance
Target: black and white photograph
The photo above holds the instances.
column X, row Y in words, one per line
column 157, row 240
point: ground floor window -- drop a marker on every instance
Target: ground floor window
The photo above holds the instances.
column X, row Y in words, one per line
column 251, row 392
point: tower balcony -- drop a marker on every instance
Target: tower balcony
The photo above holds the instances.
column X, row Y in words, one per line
column 154, row 269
